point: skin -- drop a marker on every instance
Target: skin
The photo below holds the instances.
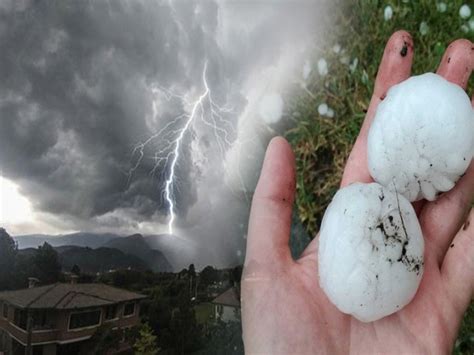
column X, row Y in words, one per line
column 283, row 308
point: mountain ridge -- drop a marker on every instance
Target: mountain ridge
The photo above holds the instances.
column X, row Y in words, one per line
column 161, row 252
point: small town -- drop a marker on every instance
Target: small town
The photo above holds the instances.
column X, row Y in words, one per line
column 48, row 310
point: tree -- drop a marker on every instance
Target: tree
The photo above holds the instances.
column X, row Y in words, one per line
column 236, row 274
column 8, row 254
column 48, row 267
column 104, row 339
column 146, row 342
column 24, row 268
column 224, row 338
column 76, row 270
column 191, row 271
column 186, row 333
column 192, row 280
column 207, row 277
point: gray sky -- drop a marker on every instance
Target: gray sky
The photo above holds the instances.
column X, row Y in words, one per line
column 84, row 82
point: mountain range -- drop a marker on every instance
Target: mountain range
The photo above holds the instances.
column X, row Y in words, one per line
column 161, row 252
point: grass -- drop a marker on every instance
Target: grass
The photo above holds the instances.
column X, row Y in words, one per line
column 204, row 312
column 322, row 144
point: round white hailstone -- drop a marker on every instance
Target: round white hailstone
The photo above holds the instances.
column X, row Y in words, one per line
column 336, row 48
column 322, row 67
column 370, row 252
column 271, row 108
column 465, row 28
column 323, row 109
column 422, row 138
column 424, row 28
column 387, row 13
column 465, row 11
column 330, row 113
column 306, row 70
column 441, row 7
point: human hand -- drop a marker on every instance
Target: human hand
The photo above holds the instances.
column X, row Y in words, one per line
column 283, row 308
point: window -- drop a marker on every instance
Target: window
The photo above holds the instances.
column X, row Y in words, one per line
column 84, row 319
column 20, row 318
column 39, row 319
column 111, row 312
column 5, row 310
column 129, row 309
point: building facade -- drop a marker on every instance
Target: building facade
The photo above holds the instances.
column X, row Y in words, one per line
column 62, row 318
column 227, row 306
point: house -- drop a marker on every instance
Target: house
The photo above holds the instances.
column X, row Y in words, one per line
column 227, row 305
column 61, row 318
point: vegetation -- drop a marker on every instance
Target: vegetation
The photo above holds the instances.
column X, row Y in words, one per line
column 146, row 343
column 16, row 267
column 8, row 256
column 178, row 309
column 322, row 144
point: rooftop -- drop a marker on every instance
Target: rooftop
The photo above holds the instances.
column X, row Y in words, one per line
column 228, row 298
column 68, row 296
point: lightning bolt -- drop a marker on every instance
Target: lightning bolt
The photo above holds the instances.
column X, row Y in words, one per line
column 170, row 137
column 171, row 177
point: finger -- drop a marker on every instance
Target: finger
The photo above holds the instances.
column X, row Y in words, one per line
column 270, row 215
column 394, row 68
column 442, row 218
column 458, row 62
column 458, row 266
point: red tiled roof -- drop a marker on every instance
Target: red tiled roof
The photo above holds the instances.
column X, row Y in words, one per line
column 68, row 296
column 228, row 298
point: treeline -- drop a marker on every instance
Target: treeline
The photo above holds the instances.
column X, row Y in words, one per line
column 16, row 267
column 169, row 312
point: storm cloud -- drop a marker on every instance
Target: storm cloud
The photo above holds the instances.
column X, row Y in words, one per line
column 77, row 95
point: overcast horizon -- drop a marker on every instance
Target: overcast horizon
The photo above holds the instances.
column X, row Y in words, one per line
column 98, row 97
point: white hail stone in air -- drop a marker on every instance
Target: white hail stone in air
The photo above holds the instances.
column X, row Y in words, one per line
column 323, row 109
column 370, row 251
column 322, row 67
column 336, row 48
column 422, row 138
column 271, row 108
column 441, row 7
column 424, row 28
column 387, row 13
column 465, row 11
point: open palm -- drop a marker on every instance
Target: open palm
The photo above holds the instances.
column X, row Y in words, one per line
column 283, row 308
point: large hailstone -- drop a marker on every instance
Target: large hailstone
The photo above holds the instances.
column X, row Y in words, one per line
column 370, row 251
column 422, row 138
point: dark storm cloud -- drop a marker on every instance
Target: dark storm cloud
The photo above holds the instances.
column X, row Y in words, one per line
column 76, row 80
column 75, row 92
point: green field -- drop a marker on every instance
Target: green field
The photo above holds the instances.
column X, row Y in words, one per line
column 322, row 144
column 204, row 312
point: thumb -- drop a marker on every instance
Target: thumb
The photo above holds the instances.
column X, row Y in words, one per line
column 272, row 204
